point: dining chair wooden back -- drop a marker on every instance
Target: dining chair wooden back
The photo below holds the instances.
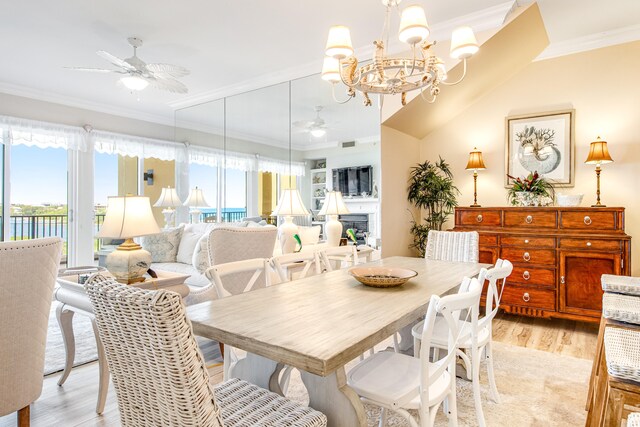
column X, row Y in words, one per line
column 298, row 265
column 453, row 246
column 339, row 257
column 398, row 382
column 28, row 271
column 258, row 273
column 159, row 373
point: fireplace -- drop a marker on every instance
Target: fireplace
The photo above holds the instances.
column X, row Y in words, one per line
column 359, row 223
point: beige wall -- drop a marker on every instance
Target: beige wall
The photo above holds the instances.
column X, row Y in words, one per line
column 398, row 153
column 164, row 175
column 601, row 85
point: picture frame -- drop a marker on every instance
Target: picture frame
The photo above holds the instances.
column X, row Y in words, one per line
column 542, row 142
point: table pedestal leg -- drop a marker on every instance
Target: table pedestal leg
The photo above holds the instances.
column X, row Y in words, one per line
column 254, row 369
column 103, row 385
column 65, row 321
column 332, row 396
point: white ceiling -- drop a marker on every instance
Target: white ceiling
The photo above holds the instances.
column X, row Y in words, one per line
column 230, row 45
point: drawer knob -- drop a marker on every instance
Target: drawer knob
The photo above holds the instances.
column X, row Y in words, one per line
column 589, row 244
column 528, row 219
column 562, row 279
column 526, row 256
column 526, row 275
column 479, row 218
column 526, row 297
column 526, row 241
column 587, row 220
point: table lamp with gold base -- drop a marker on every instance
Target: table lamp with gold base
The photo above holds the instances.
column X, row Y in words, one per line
column 128, row 217
column 475, row 164
column 598, row 155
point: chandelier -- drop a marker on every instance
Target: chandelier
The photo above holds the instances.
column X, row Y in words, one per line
column 386, row 75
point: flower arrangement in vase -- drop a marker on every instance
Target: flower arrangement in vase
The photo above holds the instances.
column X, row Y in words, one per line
column 530, row 191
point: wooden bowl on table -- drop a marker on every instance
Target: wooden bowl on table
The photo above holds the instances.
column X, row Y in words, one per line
column 382, row 277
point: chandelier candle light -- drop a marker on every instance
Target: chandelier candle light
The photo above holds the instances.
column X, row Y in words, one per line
column 598, row 154
column 128, row 217
column 332, row 207
column 196, row 200
column 475, row 164
column 168, row 199
column 289, row 205
column 387, row 75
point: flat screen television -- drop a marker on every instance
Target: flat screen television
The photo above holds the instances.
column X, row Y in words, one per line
column 353, row 181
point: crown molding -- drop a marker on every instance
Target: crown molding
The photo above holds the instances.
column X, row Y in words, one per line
column 590, row 42
column 69, row 101
column 486, row 19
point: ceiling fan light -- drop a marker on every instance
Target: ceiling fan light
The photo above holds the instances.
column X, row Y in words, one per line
column 330, row 70
column 463, row 43
column 134, row 82
column 318, row 132
column 339, row 42
column 413, row 25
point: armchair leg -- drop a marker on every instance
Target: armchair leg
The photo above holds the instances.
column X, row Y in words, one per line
column 24, row 416
column 221, row 346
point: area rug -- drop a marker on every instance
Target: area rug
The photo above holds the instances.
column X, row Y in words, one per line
column 537, row 389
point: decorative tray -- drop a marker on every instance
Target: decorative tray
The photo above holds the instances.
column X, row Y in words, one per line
column 382, row 277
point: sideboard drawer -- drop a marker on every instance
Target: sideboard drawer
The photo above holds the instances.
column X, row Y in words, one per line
column 588, row 220
column 480, row 218
column 535, row 276
column 529, row 256
column 528, row 241
column 529, row 296
column 530, row 218
column 488, row 240
column 591, row 244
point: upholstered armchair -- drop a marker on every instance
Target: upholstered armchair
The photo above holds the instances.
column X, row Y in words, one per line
column 28, row 271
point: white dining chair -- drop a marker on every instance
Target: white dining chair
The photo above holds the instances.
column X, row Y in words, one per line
column 298, row 265
column 339, row 257
column 399, row 382
column 28, row 272
column 461, row 246
column 495, row 276
column 160, row 375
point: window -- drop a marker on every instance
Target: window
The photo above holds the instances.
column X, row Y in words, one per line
column 206, row 178
column 235, row 203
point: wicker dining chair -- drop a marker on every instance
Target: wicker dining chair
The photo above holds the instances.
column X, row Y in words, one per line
column 453, row 246
column 160, row 375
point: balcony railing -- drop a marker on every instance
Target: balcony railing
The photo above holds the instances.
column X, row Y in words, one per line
column 228, row 215
column 26, row 227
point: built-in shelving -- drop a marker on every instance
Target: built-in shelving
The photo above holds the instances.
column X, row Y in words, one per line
column 318, row 182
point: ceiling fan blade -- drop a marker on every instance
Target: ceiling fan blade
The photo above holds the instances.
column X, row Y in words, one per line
column 94, row 70
column 115, row 60
column 167, row 70
column 302, row 124
column 168, row 84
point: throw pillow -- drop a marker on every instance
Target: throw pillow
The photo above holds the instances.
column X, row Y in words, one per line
column 188, row 244
column 200, row 259
column 163, row 246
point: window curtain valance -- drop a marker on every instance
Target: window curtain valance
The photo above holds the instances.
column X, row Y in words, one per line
column 137, row 146
column 241, row 161
column 35, row 133
column 266, row 164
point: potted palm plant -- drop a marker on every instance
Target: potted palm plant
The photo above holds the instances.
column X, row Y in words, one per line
column 431, row 189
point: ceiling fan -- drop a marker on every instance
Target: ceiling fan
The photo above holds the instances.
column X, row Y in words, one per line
column 137, row 74
column 316, row 128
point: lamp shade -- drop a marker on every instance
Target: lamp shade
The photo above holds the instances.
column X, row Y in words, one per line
column 598, row 153
column 330, row 70
column 290, row 204
column 196, row 199
column 128, row 216
column 333, row 204
column 475, row 160
column 413, row 25
column 463, row 43
column 168, row 198
column 339, row 42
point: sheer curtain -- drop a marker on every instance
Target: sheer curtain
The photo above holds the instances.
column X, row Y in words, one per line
column 39, row 134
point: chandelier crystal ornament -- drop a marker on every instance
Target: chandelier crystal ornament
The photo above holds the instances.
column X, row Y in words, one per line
column 386, row 75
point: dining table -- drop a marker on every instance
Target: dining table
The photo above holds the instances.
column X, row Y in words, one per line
column 320, row 323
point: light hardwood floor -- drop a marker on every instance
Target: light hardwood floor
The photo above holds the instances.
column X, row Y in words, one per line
column 74, row 404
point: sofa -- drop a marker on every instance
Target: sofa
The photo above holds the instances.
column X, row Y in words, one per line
column 184, row 249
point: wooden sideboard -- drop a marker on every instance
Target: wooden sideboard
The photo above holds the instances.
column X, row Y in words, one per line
column 558, row 255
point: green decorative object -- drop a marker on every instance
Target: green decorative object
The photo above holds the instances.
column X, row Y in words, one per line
column 431, row 189
column 297, row 238
column 352, row 235
column 530, row 191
